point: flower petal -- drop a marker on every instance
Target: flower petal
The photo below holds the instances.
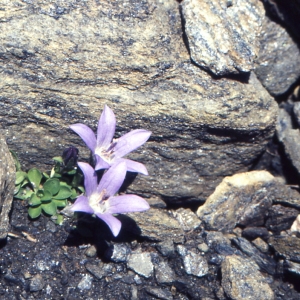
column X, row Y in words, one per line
column 134, row 166
column 130, row 141
column 82, row 204
column 106, row 128
column 87, row 135
column 101, row 163
column 126, row 204
column 90, row 178
column 112, row 179
column 113, row 223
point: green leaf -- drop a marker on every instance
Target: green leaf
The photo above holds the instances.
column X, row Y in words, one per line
column 64, row 193
column 58, row 159
column 81, row 189
column 24, row 194
column 20, row 176
column 74, row 194
column 35, row 177
column 52, row 185
column 46, row 197
column 59, row 219
column 17, row 189
column 46, row 175
column 34, row 212
column 72, row 172
column 34, row 200
column 25, row 182
column 60, row 203
column 49, row 208
column 16, row 160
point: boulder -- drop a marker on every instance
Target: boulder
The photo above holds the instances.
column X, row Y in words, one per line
column 61, row 61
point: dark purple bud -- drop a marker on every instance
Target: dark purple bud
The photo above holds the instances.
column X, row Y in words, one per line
column 70, row 156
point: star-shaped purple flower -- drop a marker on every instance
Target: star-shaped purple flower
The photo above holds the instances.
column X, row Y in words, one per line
column 108, row 151
column 99, row 198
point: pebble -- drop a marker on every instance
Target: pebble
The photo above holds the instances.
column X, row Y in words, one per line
column 141, row 263
column 36, row 283
column 85, row 283
column 91, row 251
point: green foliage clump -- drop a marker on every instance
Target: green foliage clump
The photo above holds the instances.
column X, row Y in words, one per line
column 48, row 193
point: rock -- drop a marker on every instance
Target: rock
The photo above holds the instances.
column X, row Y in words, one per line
column 296, row 225
column 159, row 293
column 261, row 245
column 97, row 270
column 141, row 263
column 278, row 61
column 242, row 280
column 219, row 243
column 133, row 58
column 91, row 251
column 280, row 218
column 222, row 35
column 286, row 13
column 163, row 273
column 252, row 233
column 203, row 247
column 286, row 246
column 194, row 264
column 118, row 252
column 85, row 283
column 36, row 283
column 7, row 186
column 288, row 136
column 265, row 263
column 240, row 199
column 187, row 219
column 292, row 267
column 157, row 224
column 166, row 248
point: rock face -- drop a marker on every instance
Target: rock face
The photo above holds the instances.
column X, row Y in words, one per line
column 7, row 185
column 62, row 61
column 222, row 35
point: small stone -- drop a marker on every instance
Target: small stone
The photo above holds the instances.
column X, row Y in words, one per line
column 261, row 245
column 166, row 248
column 50, row 226
column 91, row 251
column 163, row 273
column 119, row 252
column 137, row 280
column 252, row 233
column 96, row 270
column 292, row 267
column 187, row 219
column 203, row 247
column 194, row 263
column 159, row 293
column 141, row 264
column 36, row 283
column 296, row 225
column 85, row 283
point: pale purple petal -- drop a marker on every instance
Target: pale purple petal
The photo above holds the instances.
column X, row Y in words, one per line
column 112, row 179
column 106, row 128
column 126, row 204
column 82, row 204
column 90, row 178
column 134, row 166
column 113, row 223
column 101, row 163
column 87, row 135
column 130, row 141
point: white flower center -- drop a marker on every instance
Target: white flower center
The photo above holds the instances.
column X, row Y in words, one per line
column 98, row 202
column 107, row 154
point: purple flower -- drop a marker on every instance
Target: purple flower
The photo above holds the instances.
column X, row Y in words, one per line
column 107, row 150
column 99, row 198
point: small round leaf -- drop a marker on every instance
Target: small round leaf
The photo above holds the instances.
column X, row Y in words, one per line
column 64, row 193
column 46, row 197
column 34, row 212
column 34, row 200
column 60, row 203
column 35, row 177
column 20, row 176
column 52, row 185
column 49, row 208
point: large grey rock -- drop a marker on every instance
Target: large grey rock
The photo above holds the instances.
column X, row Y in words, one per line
column 240, row 199
column 7, row 185
column 278, row 61
column 242, row 280
column 62, row 61
column 222, row 35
